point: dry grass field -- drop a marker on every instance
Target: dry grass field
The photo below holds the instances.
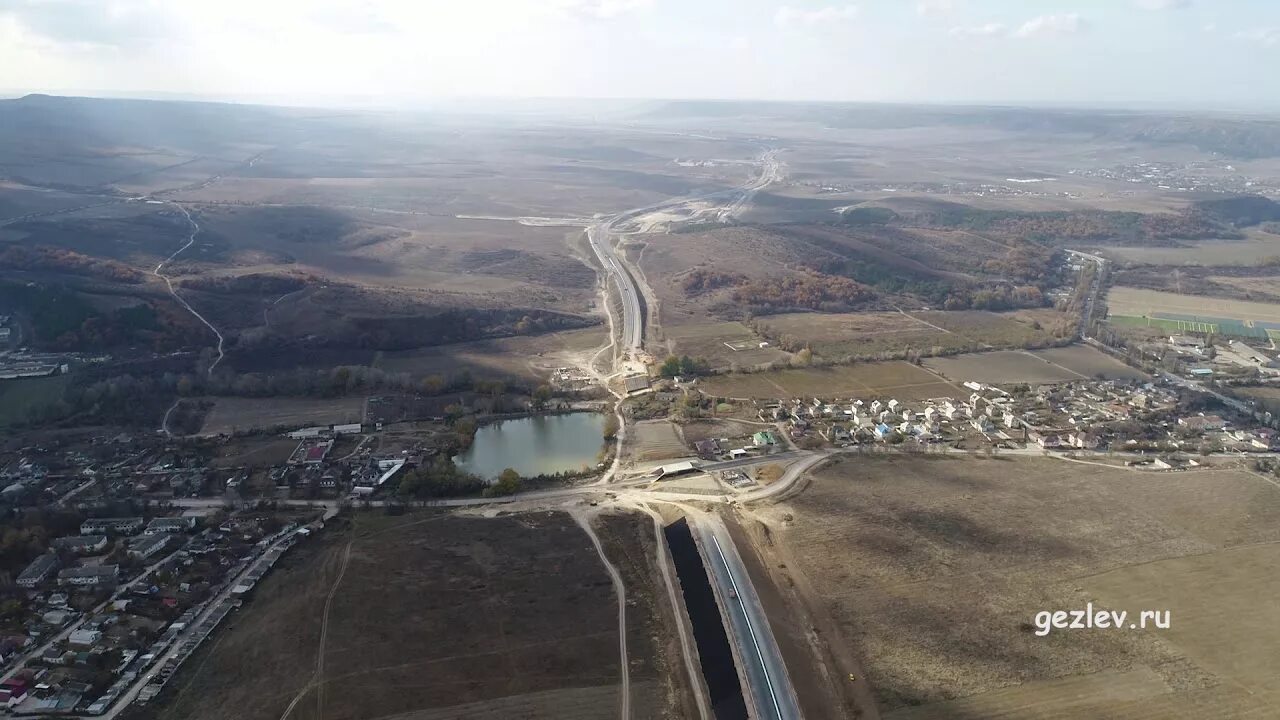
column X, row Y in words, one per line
column 1076, row 362
column 255, row 663
column 1138, row 302
column 657, row 664
column 1252, row 285
column 231, row 413
column 724, row 345
column 1256, row 247
column 897, row 379
column 872, row 334
column 440, row 616
column 933, row 570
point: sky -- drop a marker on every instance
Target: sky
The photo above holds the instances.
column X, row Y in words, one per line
column 1174, row 53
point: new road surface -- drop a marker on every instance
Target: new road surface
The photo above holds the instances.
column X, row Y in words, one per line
column 599, row 235
column 761, row 662
column 632, row 319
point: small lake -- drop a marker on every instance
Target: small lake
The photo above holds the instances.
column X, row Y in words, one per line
column 538, row 445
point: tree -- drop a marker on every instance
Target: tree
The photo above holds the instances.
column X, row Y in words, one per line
column 508, row 483
column 670, row 367
column 804, row 357
column 432, row 385
column 688, row 366
column 611, row 427
column 541, row 395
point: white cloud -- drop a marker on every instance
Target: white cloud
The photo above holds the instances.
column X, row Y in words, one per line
column 1210, row 27
column 601, row 9
column 1163, row 4
column 987, row 30
column 788, row 15
column 740, row 42
column 932, row 8
column 1045, row 25
column 1268, row 36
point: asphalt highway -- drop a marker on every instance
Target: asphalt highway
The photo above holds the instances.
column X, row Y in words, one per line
column 768, row 686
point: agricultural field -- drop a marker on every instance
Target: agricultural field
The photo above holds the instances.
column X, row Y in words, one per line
column 895, row 379
column 880, row 334
column 230, row 414
column 725, row 345
column 934, row 568
column 1139, row 302
column 1269, row 285
column 1089, row 362
column 1076, row 362
column 1257, row 247
column 653, row 440
column 442, row 617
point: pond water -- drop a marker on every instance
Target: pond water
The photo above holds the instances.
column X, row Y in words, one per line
column 538, row 445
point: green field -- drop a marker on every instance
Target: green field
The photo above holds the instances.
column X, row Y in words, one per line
column 1183, row 326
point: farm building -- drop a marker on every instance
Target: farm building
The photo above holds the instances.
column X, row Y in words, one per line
column 170, row 525
column 40, row 570
column 122, row 526
column 82, row 544
column 89, row 575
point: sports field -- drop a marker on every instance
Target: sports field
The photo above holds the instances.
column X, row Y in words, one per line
column 1192, row 313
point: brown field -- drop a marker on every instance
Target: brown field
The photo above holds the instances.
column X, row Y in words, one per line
column 442, row 616
column 1077, row 362
column 933, row 569
column 651, row 440
column 869, row 335
column 1256, row 247
column 231, row 413
column 712, row 341
column 1252, row 285
column 1261, row 392
column 1089, row 362
column 876, row 379
column 527, row 358
column 1136, row 301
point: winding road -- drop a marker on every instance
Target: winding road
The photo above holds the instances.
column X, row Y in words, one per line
column 191, row 239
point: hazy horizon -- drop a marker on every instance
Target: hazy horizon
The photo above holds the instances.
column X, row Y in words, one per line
column 1140, row 54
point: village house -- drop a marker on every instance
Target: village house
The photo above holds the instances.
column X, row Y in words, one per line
column 170, row 525
column 81, row 545
column 89, row 575
column 148, row 546
column 120, row 526
column 1202, row 422
column 38, row 571
column 708, row 448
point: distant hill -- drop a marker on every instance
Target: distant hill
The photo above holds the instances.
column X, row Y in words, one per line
column 86, row 142
column 1234, row 136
